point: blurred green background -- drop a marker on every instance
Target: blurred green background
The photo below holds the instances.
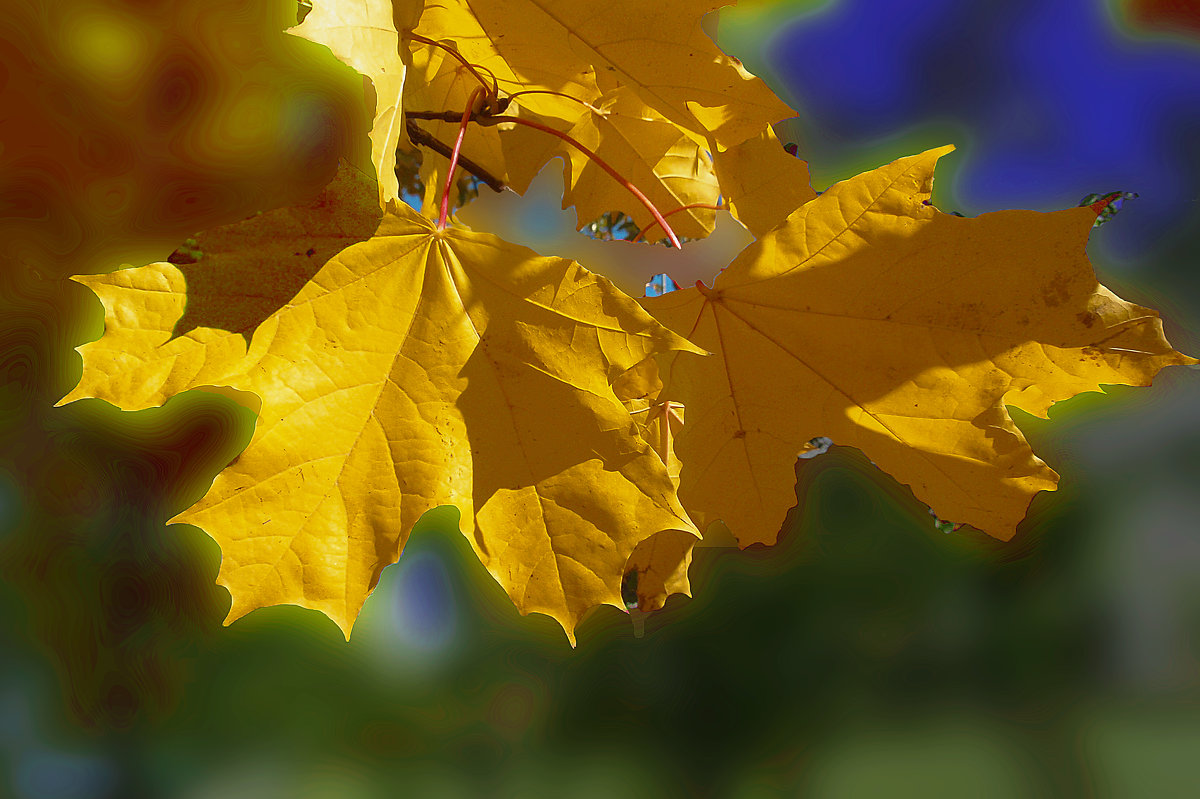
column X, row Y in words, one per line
column 868, row 654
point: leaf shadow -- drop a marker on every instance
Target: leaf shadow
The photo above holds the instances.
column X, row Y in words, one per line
column 247, row 271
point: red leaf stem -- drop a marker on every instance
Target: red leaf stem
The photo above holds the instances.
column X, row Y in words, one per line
column 642, row 232
column 583, row 103
column 444, row 210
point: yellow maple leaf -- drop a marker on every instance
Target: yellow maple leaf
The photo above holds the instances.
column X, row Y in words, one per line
column 871, row 318
column 363, row 34
column 424, row 368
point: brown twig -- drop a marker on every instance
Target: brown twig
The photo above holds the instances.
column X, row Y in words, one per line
column 456, row 116
column 440, row 116
column 424, row 139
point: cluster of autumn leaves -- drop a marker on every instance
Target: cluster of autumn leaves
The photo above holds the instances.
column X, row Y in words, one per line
column 584, row 435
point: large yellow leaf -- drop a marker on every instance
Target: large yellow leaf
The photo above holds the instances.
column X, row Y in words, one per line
column 363, row 34
column 874, row 319
column 424, row 368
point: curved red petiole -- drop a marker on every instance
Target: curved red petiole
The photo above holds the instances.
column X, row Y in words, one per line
column 634, row 190
column 444, row 209
column 642, row 232
column 564, row 95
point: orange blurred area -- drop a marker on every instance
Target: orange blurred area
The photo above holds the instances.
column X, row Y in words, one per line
column 129, row 126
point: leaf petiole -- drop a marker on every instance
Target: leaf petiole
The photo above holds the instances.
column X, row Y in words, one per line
column 585, row 104
column 444, row 210
column 642, row 232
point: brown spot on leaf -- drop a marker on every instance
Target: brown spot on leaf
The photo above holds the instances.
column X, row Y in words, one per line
column 1056, row 292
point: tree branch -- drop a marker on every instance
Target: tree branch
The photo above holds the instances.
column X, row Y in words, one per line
column 424, row 139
